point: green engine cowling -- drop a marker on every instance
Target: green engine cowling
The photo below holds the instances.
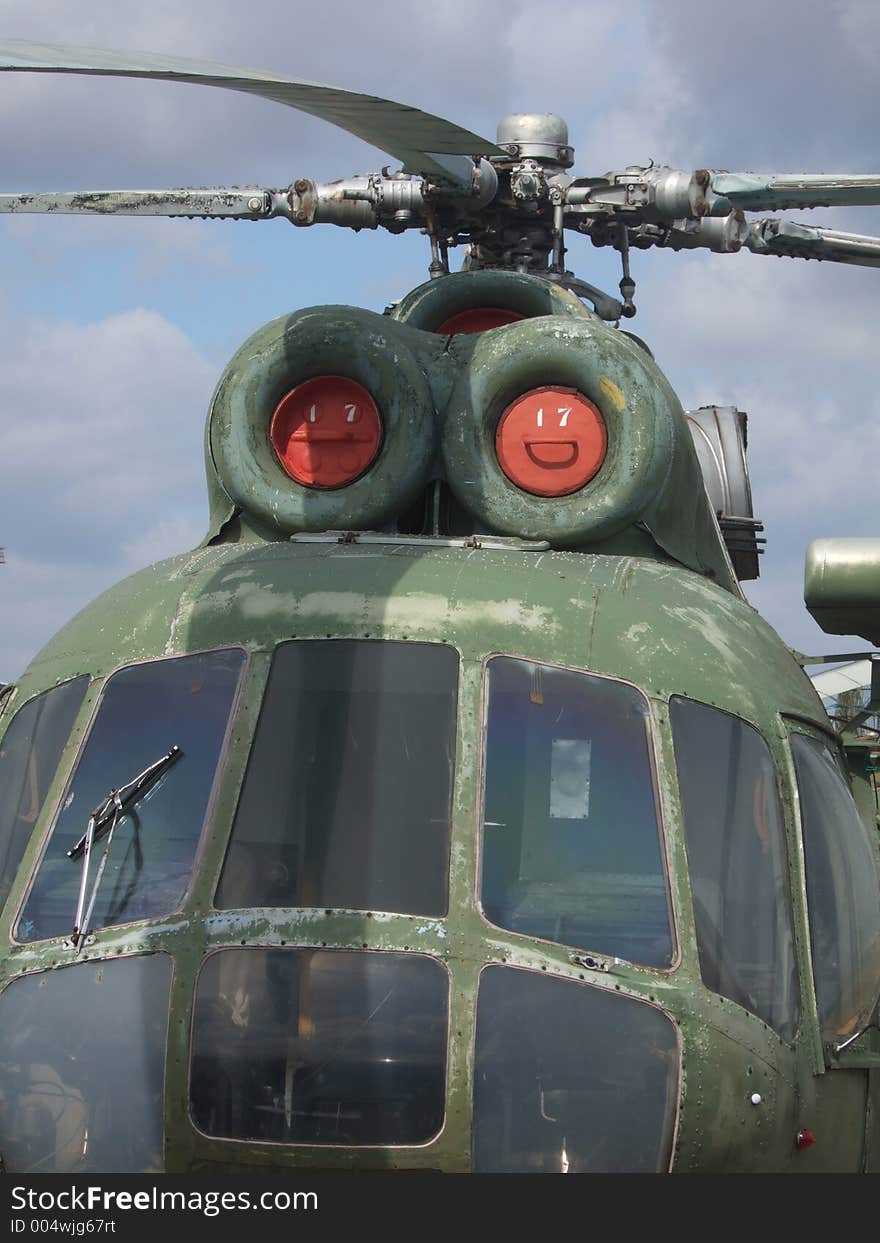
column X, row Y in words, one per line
column 440, row 398
column 842, row 586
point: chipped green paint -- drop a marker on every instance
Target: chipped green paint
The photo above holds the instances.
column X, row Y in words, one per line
column 664, row 628
column 612, row 392
column 441, row 400
column 652, row 601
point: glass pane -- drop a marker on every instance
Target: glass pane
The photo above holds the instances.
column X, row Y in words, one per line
column 30, row 752
column 82, row 1065
column 571, row 840
column 145, row 710
column 736, row 855
column 346, row 801
column 570, row 1079
column 843, row 891
column 320, row 1047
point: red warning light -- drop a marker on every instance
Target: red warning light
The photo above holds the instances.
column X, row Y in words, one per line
column 326, row 431
column 478, row 319
column 551, row 441
column 805, row 1139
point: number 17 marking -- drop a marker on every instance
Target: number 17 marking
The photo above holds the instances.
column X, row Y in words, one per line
column 565, row 411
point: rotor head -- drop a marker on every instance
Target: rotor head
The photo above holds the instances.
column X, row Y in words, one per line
column 539, row 136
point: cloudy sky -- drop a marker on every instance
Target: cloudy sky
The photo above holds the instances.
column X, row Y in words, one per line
column 113, row 332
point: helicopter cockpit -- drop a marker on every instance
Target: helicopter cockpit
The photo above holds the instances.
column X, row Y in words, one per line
column 341, row 918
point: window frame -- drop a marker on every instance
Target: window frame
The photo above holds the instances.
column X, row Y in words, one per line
column 601, row 987
column 49, row 808
column 322, row 948
column 791, row 725
column 241, row 780
column 112, row 955
column 785, row 786
column 652, row 742
column 100, row 682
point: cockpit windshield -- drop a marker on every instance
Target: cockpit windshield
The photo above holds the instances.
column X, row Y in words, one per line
column 347, row 798
column 29, row 755
column 144, row 710
column 843, row 892
column 82, row 1060
column 735, row 838
column 571, row 836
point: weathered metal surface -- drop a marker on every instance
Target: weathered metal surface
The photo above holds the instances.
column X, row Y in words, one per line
column 628, row 579
column 250, row 203
column 805, row 241
column 431, row 304
column 842, row 586
column 662, row 627
column 363, row 346
column 649, row 599
column 441, row 399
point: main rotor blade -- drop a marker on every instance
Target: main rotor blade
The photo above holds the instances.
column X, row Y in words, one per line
column 778, row 191
column 249, row 203
column 803, row 241
column 426, row 144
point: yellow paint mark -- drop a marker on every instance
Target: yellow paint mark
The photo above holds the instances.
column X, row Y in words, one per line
column 612, row 392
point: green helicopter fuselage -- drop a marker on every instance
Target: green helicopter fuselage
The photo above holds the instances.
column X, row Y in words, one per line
column 489, row 846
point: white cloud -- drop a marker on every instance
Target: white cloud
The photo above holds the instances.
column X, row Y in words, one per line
column 162, row 539
column 38, row 597
column 101, row 467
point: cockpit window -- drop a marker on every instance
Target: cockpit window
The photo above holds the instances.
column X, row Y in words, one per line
column 302, row 1046
column 30, row 752
column 570, row 1079
column 571, row 836
column 843, row 891
column 82, row 1059
column 347, row 797
column 145, row 711
column 735, row 839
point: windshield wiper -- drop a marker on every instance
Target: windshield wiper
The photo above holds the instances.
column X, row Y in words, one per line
column 103, row 821
column 118, row 801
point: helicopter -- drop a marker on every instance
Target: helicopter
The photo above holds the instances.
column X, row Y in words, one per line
column 448, row 808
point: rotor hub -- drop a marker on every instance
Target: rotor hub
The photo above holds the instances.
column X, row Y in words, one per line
column 539, row 136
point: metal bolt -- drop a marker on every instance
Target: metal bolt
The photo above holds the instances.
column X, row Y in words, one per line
column 254, row 204
column 756, row 1098
column 300, row 186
